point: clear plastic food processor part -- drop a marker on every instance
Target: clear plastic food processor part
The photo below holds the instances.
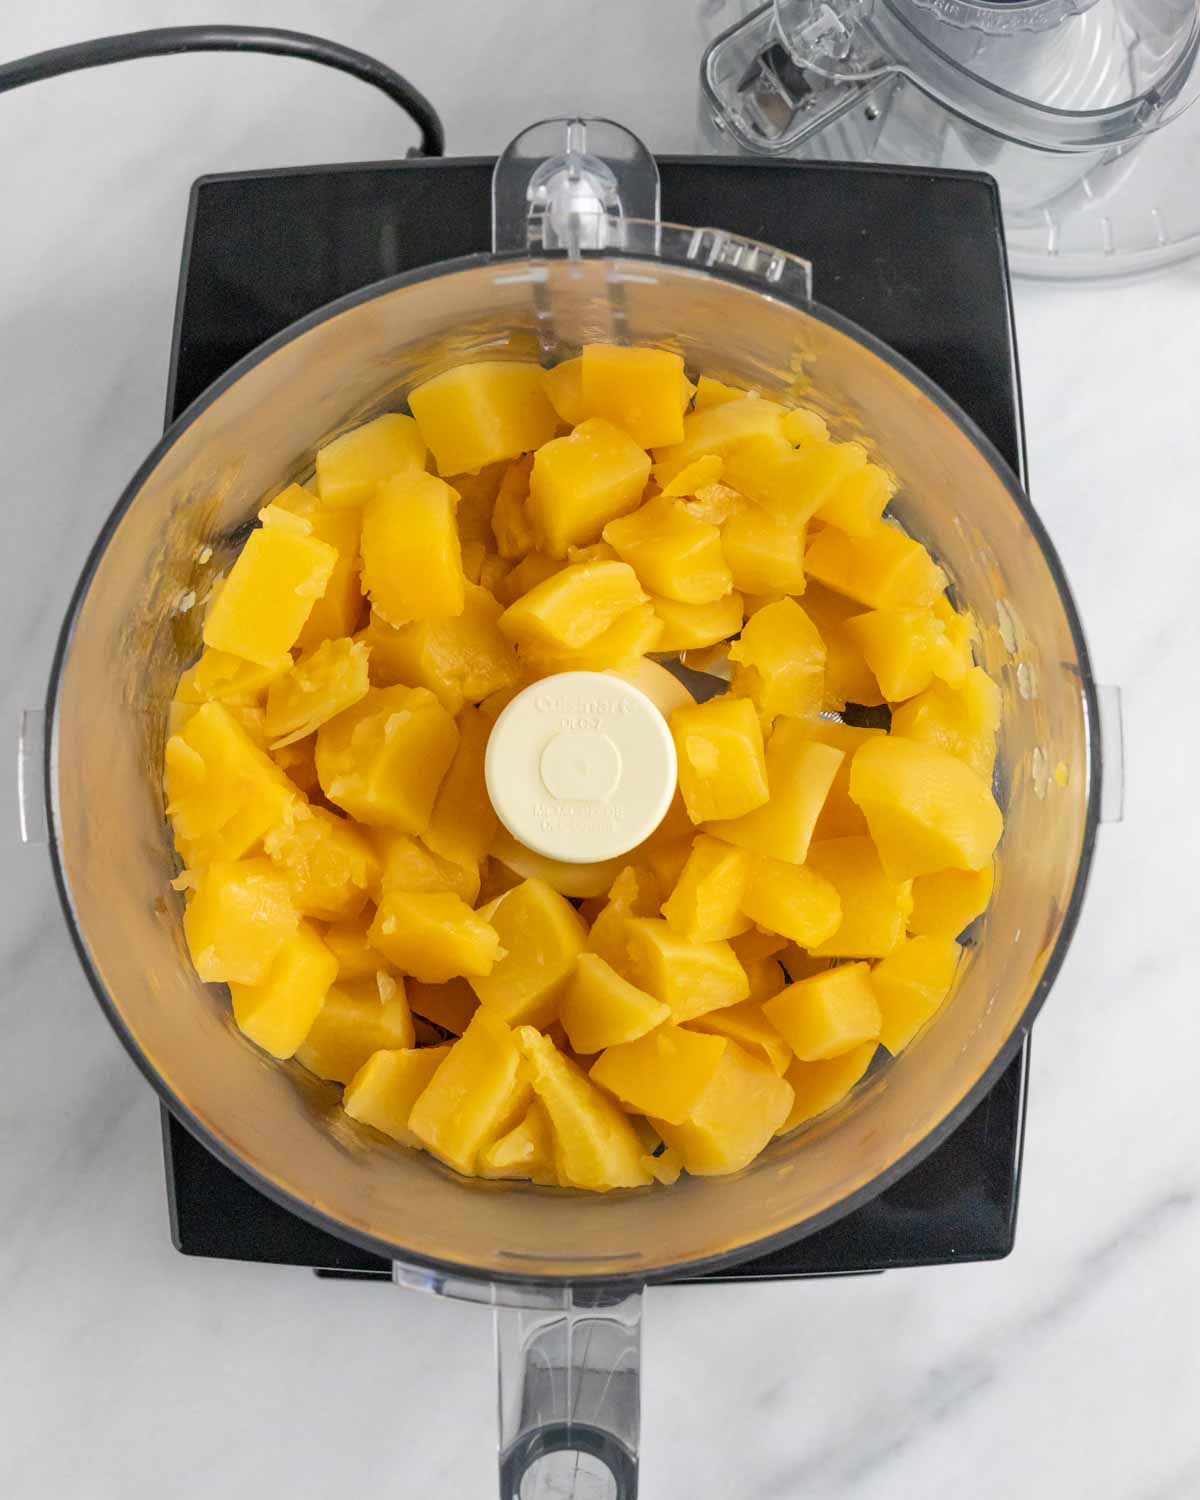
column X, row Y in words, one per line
column 1078, row 108
column 564, row 1270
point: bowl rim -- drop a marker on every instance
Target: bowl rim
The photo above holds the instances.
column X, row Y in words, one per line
column 450, row 1270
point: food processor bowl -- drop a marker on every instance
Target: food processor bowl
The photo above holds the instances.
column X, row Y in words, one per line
column 740, row 312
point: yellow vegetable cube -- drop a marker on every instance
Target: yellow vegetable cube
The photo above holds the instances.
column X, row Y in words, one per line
column 279, row 1012
column 690, row 978
column 229, row 679
column 463, row 824
column 450, row 1005
column 354, row 1023
column 858, row 501
column 780, row 659
column 356, row 958
column 755, row 944
column 541, row 935
column 883, row 569
column 460, row 660
column 911, row 984
column 617, row 649
column 595, row 1145
column 565, row 878
column 710, row 392
column 793, row 901
column 839, row 816
column 818, row 1086
column 406, row 864
column 688, row 626
column 848, row 679
column 433, row 935
column 671, row 552
column 564, row 388
column 800, row 773
column 328, row 863
column 512, row 524
column 526, row 1152
column 926, row 810
column 662, row 1073
column 383, row 1091
column 722, row 767
column 962, row 720
column 706, row 903
column 339, row 609
column 828, row 1014
column 765, row 556
column 874, row 907
column 741, row 1109
column 600, row 1009
column 718, row 430
column 746, row 1025
column 320, row 686
column 954, row 655
column 475, row 414
column 948, row 901
column 534, row 568
column 350, row 467
column 477, row 497
column 273, row 584
column 900, row 646
column 791, row 484
column 804, row 428
column 298, row 763
column 383, row 760
column 411, row 556
column 700, row 474
column 573, row 606
column 478, row 1094
column 766, row 977
column 238, row 918
column 635, row 389
column 581, row 482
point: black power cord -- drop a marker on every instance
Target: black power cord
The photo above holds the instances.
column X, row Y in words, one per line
column 165, row 40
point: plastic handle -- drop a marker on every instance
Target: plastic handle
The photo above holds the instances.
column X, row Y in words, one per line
column 1112, row 747
column 570, row 1397
column 31, row 776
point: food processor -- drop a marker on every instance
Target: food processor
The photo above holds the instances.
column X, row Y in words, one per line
column 1080, row 109
column 580, row 252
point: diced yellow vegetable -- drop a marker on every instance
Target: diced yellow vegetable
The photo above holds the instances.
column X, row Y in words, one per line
column 665, row 1167
column 581, row 482
column 512, row 525
column 229, row 679
column 818, row 1086
column 476, row 414
column 477, row 496
column 839, row 816
column 671, row 552
column 828, row 1014
column 710, row 392
column 572, row 607
column 463, row 824
column 541, row 935
column 383, row 1091
column 780, row 659
column 278, row 1012
column 706, row 903
column 383, row 760
column 600, row 1009
column 765, row 556
column 800, row 772
column 911, row 984
column 411, row 555
column 663, row 1073
column 595, row 1146
column 874, row 907
column 687, row 626
column 477, row 1095
column 433, row 935
column 567, row 879
column 635, row 389
column 700, row 474
column 742, row 1107
column 450, row 1005
column 848, row 679
column 766, row 978
column 320, row 686
column 339, row 609
column 719, row 430
column 954, row 655
column 962, row 720
column 406, row 864
column 690, row 978
column 271, row 588
column 356, row 957
column 883, row 569
column 858, row 501
column 791, row 484
column 298, row 763
column 238, row 918
column 534, row 568
column 351, row 466
column 722, row 767
column 948, row 901
column 793, row 901
column 526, row 1152
column 354, row 1023
column 746, row 1025
column 460, row 660
column 328, row 863
column 564, row 387
column 617, row 649
column 926, row 809
column 804, row 428
column 755, row 944
column 900, row 646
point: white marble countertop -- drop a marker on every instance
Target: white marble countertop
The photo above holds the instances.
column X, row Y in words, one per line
column 1072, row 1369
